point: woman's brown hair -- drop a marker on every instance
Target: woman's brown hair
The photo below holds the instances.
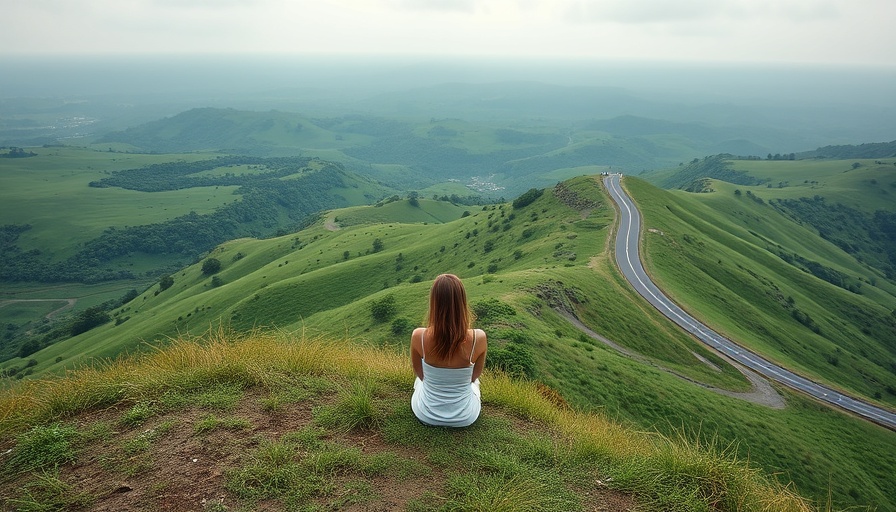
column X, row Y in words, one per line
column 449, row 315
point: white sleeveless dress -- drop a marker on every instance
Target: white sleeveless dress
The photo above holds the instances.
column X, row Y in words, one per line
column 446, row 397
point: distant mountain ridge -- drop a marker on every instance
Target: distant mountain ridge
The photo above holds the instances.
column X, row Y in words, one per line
column 432, row 150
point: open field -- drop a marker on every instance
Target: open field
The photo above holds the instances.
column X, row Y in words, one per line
column 50, row 193
column 870, row 186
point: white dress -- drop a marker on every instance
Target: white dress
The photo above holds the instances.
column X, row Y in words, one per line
column 446, row 396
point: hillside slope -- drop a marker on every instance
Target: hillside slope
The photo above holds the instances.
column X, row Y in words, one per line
column 800, row 271
column 526, row 267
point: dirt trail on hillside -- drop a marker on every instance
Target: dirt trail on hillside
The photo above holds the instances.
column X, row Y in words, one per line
column 762, row 393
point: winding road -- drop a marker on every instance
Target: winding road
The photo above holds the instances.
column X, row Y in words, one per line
column 629, row 261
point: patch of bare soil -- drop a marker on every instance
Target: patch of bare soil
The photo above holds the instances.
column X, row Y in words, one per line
column 180, row 470
column 331, row 225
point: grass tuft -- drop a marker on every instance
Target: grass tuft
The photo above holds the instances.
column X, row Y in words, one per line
column 43, row 446
column 355, row 408
column 47, row 493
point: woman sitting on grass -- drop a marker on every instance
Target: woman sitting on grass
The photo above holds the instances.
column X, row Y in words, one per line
column 447, row 357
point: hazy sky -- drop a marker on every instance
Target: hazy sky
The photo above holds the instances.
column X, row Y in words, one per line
column 805, row 31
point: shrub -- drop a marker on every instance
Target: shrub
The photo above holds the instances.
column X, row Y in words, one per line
column 383, row 309
column 165, row 283
column 88, row 319
column 211, row 266
column 129, row 296
column 401, row 326
column 513, row 359
column 490, row 309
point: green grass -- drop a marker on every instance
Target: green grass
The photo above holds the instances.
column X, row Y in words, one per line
column 43, row 446
column 46, row 492
column 211, row 422
column 139, row 413
column 400, row 211
column 21, row 313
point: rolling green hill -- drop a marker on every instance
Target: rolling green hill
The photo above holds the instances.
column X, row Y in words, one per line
column 794, row 261
column 494, row 156
column 526, row 268
column 75, row 219
column 72, row 214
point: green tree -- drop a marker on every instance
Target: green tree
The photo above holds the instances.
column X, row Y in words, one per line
column 90, row 318
column 378, row 245
column 129, row 296
column 165, row 283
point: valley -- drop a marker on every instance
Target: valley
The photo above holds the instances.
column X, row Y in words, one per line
column 268, row 227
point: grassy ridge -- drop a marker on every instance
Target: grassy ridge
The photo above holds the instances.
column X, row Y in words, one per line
column 525, row 453
column 713, row 253
column 303, row 282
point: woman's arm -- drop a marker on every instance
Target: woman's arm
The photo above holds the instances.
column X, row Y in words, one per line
column 416, row 355
column 479, row 355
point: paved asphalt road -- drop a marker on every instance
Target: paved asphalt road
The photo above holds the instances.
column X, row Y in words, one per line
column 627, row 257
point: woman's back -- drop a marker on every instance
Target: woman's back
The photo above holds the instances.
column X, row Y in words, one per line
column 448, row 357
column 446, row 396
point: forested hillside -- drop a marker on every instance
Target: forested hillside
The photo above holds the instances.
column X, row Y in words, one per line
column 847, row 202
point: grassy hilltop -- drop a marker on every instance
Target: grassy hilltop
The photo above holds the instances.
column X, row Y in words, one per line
column 274, row 422
column 527, row 268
